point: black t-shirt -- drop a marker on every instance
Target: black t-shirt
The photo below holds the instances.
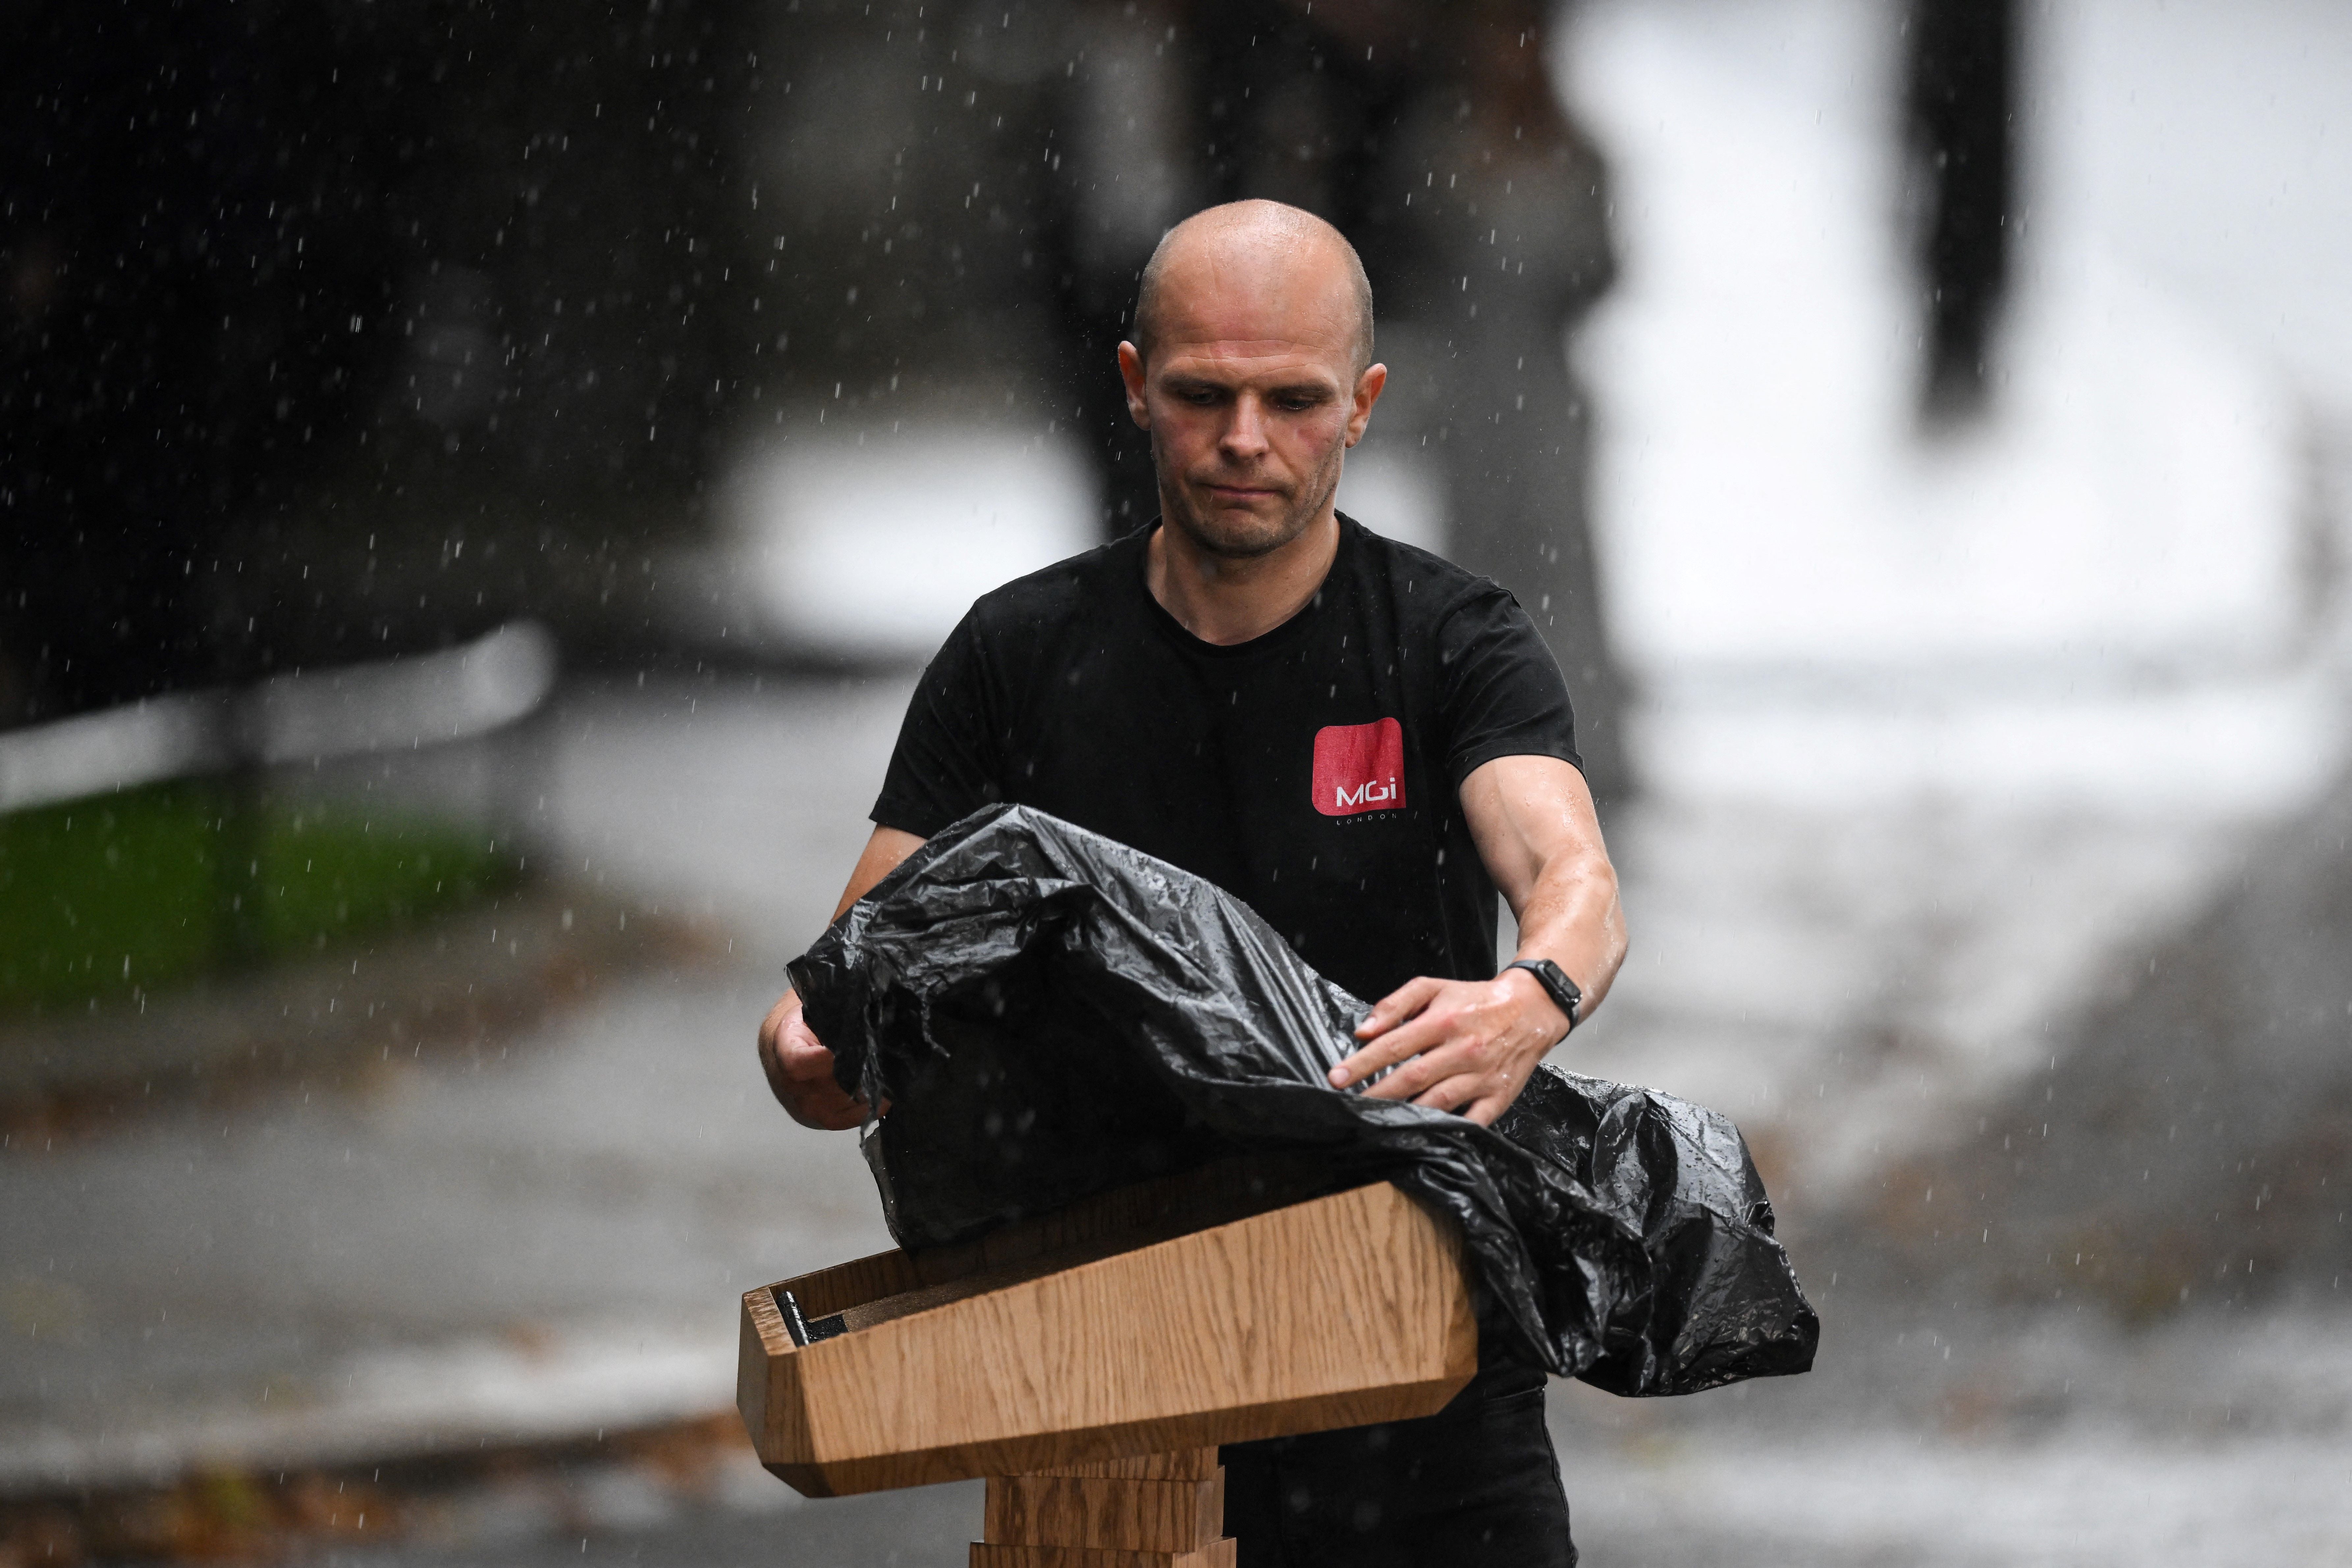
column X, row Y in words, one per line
column 1313, row 772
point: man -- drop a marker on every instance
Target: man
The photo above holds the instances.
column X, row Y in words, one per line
column 1354, row 109
column 1358, row 739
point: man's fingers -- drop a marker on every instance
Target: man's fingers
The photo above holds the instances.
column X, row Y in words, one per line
column 1484, row 1111
column 1429, row 1070
column 1438, row 1060
column 830, row 1118
column 1451, row 1045
column 1399, row 1044
column 1399, row 1005
column 1396, row 1006
column 806, row 1064
column 800, row 1070
column 1453, row 1093
column 1448, row 1076
column 804, row 1055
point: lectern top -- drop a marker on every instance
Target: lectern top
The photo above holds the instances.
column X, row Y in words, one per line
column 1333, row 1312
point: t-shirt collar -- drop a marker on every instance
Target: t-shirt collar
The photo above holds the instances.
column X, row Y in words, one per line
column 1266, row 642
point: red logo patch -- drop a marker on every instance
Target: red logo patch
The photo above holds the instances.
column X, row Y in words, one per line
column 1360, row 768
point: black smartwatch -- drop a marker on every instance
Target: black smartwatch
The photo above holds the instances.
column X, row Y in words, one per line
column 1556, row 984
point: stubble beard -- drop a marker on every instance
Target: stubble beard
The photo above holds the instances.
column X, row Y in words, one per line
column 1230, row 536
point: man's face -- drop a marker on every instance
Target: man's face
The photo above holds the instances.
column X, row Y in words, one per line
column 1251, row 397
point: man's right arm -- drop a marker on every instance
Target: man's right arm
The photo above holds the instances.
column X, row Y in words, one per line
column 799, row 1067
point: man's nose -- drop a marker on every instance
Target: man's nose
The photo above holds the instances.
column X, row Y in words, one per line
column 1245, row 433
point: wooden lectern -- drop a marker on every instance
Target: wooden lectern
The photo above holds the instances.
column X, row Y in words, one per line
column 1088, row 1362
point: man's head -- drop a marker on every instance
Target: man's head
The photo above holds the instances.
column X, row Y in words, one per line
column 1252, row 368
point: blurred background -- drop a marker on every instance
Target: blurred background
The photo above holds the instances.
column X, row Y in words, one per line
column 479, row 480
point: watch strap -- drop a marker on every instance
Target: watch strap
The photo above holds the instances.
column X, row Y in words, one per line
column 1554, row 979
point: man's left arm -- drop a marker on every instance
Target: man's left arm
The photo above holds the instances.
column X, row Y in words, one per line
column 1469, row 1045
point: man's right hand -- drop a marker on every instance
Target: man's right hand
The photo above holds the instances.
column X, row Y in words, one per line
column 800, row 1070
column 799, row 1067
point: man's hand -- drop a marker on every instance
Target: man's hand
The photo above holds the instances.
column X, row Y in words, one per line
column 1457, row 1045
column 1469, row 1045
column 800, row 1070
column 799, row 1067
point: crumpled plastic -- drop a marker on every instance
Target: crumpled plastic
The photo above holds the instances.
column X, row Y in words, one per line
column 1048, row 1014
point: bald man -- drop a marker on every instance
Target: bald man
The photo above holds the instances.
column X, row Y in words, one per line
column 1359, row 740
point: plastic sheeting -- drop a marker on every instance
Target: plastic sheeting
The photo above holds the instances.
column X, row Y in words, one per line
column 1048, row 1014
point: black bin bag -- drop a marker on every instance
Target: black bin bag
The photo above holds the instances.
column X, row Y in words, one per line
column 1048, row 1014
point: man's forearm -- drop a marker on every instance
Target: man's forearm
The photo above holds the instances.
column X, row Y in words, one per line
column 1534, row 821
column 1572, row 917
column 798, row 1066
column 884, row 849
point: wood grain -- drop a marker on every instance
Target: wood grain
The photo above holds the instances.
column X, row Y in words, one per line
column 845, row 1285
column 1342, row 1310
column 767, row 1377
column 1183, row 1465
column 895, row 1284
column 1220, row 1554
column 1105, row 1510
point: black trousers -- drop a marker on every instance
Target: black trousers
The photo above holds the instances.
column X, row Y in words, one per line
column 1477, row 1482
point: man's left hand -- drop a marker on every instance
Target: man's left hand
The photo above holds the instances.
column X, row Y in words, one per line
column 1457, row 1045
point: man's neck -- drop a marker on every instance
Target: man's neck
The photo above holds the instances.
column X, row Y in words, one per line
column 1223, row 600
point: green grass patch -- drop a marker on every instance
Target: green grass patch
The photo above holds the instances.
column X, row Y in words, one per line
column 116, row 895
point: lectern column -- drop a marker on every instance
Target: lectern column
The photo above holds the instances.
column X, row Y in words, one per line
column 1161, row 1511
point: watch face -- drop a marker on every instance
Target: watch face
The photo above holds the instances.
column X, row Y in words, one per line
column 1562, row 990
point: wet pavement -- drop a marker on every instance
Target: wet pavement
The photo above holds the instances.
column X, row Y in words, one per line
column 2041, row 1442
column 533, row 1237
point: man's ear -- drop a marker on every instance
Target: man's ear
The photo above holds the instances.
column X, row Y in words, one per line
column 1368, row 392
column 1130, row 370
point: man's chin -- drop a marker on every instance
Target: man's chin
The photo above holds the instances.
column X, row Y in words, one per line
column 1240, row 531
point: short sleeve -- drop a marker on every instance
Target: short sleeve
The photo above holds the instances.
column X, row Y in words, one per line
column 1500, row 691
column 945, row 766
